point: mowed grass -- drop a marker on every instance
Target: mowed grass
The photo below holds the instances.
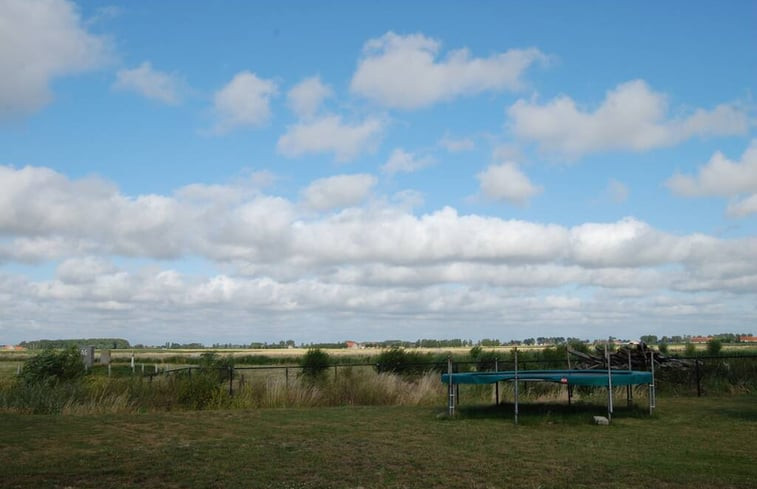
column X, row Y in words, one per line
column 688, row 443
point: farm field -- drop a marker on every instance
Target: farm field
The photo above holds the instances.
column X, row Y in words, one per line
column 688, row 443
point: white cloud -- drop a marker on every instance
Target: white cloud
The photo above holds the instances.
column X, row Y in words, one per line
column 150, row 83
column 330, row 135
column 726, row 178
column 269, row 261
column 720, row 176
column 617, row 191
column 631, row 117
column 338, row 191
column 506, row 182
column 456, row 145
column 306, row 97
column 244, row 101
column 41, row 41
column 743, row 207
column 403, row 72
column 401, row 161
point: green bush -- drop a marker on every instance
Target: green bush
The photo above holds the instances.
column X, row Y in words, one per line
column 52, row 367
column 485, row 360
column 714, row 346
column 399, row 361
column 314, row 364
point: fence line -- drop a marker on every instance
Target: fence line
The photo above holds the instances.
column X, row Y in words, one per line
column 700, row 364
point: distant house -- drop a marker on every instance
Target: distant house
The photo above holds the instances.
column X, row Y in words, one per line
column 748, row 339
column 700, row 339
column 352, row 345
column 13, row 348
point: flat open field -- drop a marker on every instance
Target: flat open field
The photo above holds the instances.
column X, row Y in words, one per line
column 689, row 443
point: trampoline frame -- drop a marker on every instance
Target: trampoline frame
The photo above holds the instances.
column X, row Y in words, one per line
column 567, row 377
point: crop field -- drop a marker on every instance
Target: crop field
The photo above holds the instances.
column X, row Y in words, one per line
column 688, row 443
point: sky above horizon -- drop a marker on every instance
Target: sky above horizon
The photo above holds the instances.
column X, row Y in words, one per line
column 178, row 171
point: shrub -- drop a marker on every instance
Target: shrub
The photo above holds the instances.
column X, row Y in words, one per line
column 485, row 360
column 397, row 360
column 314, row 364
column 52, row 367
column 690, row 350
column 714, row 346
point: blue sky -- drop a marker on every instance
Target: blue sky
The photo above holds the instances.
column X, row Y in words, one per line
column 180, row 171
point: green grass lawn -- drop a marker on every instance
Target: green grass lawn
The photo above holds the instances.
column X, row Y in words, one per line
column 688, row 443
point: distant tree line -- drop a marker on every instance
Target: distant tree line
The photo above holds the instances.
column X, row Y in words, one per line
column 722, row 337
column 100, row 343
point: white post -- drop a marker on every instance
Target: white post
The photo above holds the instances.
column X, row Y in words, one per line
column 515, row 355
column 132, row 363
column 108, row 370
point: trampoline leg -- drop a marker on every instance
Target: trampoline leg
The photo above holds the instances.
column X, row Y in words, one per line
column 450, row 389
column 515, row 354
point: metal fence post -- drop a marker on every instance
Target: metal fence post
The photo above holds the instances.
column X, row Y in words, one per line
column 496, row 384
column 699, row 378
column 231, row 380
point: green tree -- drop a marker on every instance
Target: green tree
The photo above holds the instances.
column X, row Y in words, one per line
column 690, row 350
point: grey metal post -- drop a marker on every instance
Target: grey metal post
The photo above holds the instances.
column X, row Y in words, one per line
column 450, row 388
column 231, row 380
column 609, row 385
column 569, row 387
column 286, row 377
column 652, row 400
column 108, row 370
column 515, row 356
column 629, row 389
column 496, row 384
column 699, row 378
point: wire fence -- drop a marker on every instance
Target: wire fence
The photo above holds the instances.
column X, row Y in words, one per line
column 698, row 375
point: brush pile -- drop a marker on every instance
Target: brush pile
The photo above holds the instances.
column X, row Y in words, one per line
column 633, row 356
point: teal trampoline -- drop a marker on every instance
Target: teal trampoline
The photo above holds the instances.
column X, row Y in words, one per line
column 596, row 378
column 592, row 378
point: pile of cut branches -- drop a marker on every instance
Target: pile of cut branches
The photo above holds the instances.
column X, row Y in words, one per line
column 633, row 356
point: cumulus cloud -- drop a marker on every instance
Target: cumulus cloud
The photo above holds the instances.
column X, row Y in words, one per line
column 338, row 191
column 743, row 207
column 720, row 176
column 724, row 177
column 332, row 258
column 404, row 72
column 244, row 101
column 631, row 117
column 330, row 135
column 401, row 161
column 507, row 183
column 41, row 41
column 306, row 97
column 150, row 83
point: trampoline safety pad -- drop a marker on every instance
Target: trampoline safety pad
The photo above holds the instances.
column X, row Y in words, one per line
column 595, row 378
